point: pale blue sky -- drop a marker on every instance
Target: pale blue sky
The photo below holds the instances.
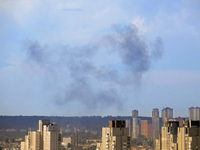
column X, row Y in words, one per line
column 99, row 57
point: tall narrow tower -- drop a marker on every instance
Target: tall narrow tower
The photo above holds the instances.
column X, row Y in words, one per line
column 135, row 124
column 156, row 123
column 41, row 124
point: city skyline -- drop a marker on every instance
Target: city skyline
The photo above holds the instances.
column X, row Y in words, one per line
column 134, row 111
column 75, row 58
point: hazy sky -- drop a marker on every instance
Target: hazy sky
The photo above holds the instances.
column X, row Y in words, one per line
column 99, row 57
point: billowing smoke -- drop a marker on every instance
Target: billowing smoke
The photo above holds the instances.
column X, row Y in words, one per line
column 79, row 79
column 133, row 52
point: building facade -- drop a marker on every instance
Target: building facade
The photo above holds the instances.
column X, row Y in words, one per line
column 136, row 128
column 146, row 128
column 47, row 137
column 180, row 120
column 167, row 113
column 155, row 113
column 51, row 137
column 194, row 113
column 129, row 126
column 68, row 140
column 174, row 137
column 135, row 113
column 115, row 136
column 156, row 123
column 189, row 135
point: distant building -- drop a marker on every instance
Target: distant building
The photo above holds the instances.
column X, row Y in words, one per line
column 115, row 137
column 135, row 124
column 156, row 123
column 180, row 120
column 129, row 125
column 135, row 114
column 194, row 113
column 68, row 140
column 93, row 140
column 48, row 137
column 146, row 128
column 155, row 113
column 167, row 113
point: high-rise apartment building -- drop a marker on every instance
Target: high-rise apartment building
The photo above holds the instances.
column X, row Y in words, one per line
column 136, row 127
column 135, row 124
column 194, row 113
column 135, row 114
column 155, row 113
column 40, row 126
column 115, row 137
column 174, row 137
column 129, row 125
column 146, row 128
column 156, row 123
column 32, row 141
column 169, row 135
column 48, row 137
column 51, row 137
column 189, row 135
column 167, row 113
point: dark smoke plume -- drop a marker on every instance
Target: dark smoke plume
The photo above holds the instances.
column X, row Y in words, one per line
column 134, row 52
column 90, row 85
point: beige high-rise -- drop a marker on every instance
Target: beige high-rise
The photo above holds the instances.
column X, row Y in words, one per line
column 189, row 136
column 115, row 137
column 136, row 127
column 168, row 138
column 48, row 137
column 41, row 124
column 51, row 137
column 32, row 141
column 186, row 137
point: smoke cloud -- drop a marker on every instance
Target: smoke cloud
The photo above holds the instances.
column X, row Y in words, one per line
column 80, row 80
column 133, row 52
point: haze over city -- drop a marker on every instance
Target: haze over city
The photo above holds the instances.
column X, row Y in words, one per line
column 95, row 57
